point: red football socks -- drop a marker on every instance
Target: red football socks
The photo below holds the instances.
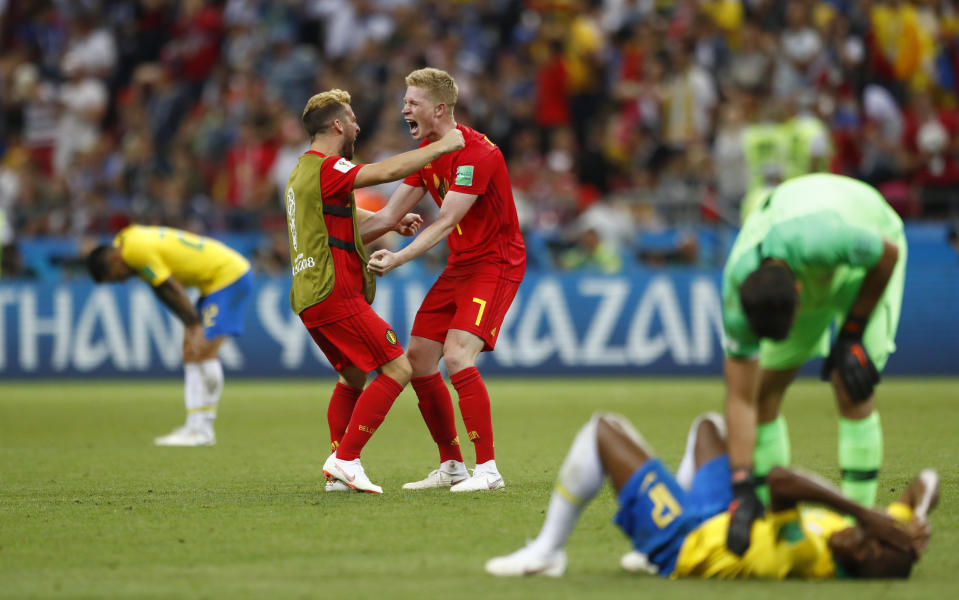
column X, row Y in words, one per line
column 368, row 415
column 475, row 408
column 340, row 411
column 436, row 406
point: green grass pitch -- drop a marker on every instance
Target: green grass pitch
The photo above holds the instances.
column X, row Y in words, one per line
column 89, row 508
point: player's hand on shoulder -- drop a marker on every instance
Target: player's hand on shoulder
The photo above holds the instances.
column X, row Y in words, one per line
column 409, row 224
column 453, row 140
column 745, row 508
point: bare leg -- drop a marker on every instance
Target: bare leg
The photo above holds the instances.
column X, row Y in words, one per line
column 621, row 450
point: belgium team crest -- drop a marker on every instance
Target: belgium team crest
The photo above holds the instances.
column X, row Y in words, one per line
column 391, row 336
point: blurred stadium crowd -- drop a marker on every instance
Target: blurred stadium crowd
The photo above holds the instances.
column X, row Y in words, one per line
column 618, row 118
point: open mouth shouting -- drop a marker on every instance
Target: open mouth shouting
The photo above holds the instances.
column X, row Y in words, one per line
column 414, row 127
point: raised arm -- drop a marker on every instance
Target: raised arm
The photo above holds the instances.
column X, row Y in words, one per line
column 401, row 165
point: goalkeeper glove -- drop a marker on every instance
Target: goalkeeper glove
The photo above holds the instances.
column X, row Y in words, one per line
column 745, row 508
column 848, row 356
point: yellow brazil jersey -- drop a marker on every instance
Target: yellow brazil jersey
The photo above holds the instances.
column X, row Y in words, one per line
column 789, row 543
column 157, row 253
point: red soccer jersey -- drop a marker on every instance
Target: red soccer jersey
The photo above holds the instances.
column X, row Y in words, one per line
column 336, row 184
column 488, row 237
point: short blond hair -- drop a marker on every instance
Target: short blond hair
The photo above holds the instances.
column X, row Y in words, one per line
column 323, row 108
column 439, row 85
column 324, row 99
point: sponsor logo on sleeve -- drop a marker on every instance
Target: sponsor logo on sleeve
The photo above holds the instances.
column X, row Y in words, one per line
column 464, row 175
column 343, row 165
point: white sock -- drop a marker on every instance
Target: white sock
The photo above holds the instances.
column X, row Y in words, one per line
column 580, row 479
column 486, row 467
column 211, row 374
column 453, row 466
column 194, row 395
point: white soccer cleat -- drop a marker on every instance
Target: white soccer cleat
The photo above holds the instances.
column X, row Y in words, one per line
column 333, row 485
column 351, row 474
column 188, row 436
column 637, row 562
column 528, row 561
column 481, row 481
column 450, row 473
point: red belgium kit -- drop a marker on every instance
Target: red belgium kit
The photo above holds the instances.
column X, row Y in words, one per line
column 344, row 325
column 487, row 255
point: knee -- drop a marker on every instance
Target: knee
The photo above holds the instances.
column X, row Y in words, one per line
column 354, row 378
column 419, row 360
column 711, row 425
column 399, row 370
column 613, row 422
column 457, row 357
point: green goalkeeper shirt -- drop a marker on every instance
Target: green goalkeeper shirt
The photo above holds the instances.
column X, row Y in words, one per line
column 827, row 228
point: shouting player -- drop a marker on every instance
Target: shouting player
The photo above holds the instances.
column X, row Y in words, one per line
column 169, row 259
column 332, row 290
column 820, row 250
column 679, row 523
column 463, row 311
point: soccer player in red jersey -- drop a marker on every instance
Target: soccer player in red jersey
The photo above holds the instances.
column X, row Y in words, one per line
column 463, row 311
column 331, row 290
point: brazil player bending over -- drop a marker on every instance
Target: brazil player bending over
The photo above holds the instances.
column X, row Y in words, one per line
column 169, row 259
column 680, row 523
column 820, row 251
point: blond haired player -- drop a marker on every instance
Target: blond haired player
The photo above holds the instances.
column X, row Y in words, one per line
column 463, row 311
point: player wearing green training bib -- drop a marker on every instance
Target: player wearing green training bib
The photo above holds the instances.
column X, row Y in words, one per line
column 819, row 250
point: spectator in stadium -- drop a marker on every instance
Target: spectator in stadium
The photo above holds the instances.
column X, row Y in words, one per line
column 930, row 144
column 169, row 260
column 820, row 249
column 194, row 71
column 676, row 524
column 331, row 290
column 590, row 252
column 463, row 311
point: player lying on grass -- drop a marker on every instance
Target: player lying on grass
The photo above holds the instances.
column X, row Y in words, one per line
column 679, row 524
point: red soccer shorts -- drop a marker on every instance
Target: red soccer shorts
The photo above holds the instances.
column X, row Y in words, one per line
column 363, row 340
column 475, row 302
